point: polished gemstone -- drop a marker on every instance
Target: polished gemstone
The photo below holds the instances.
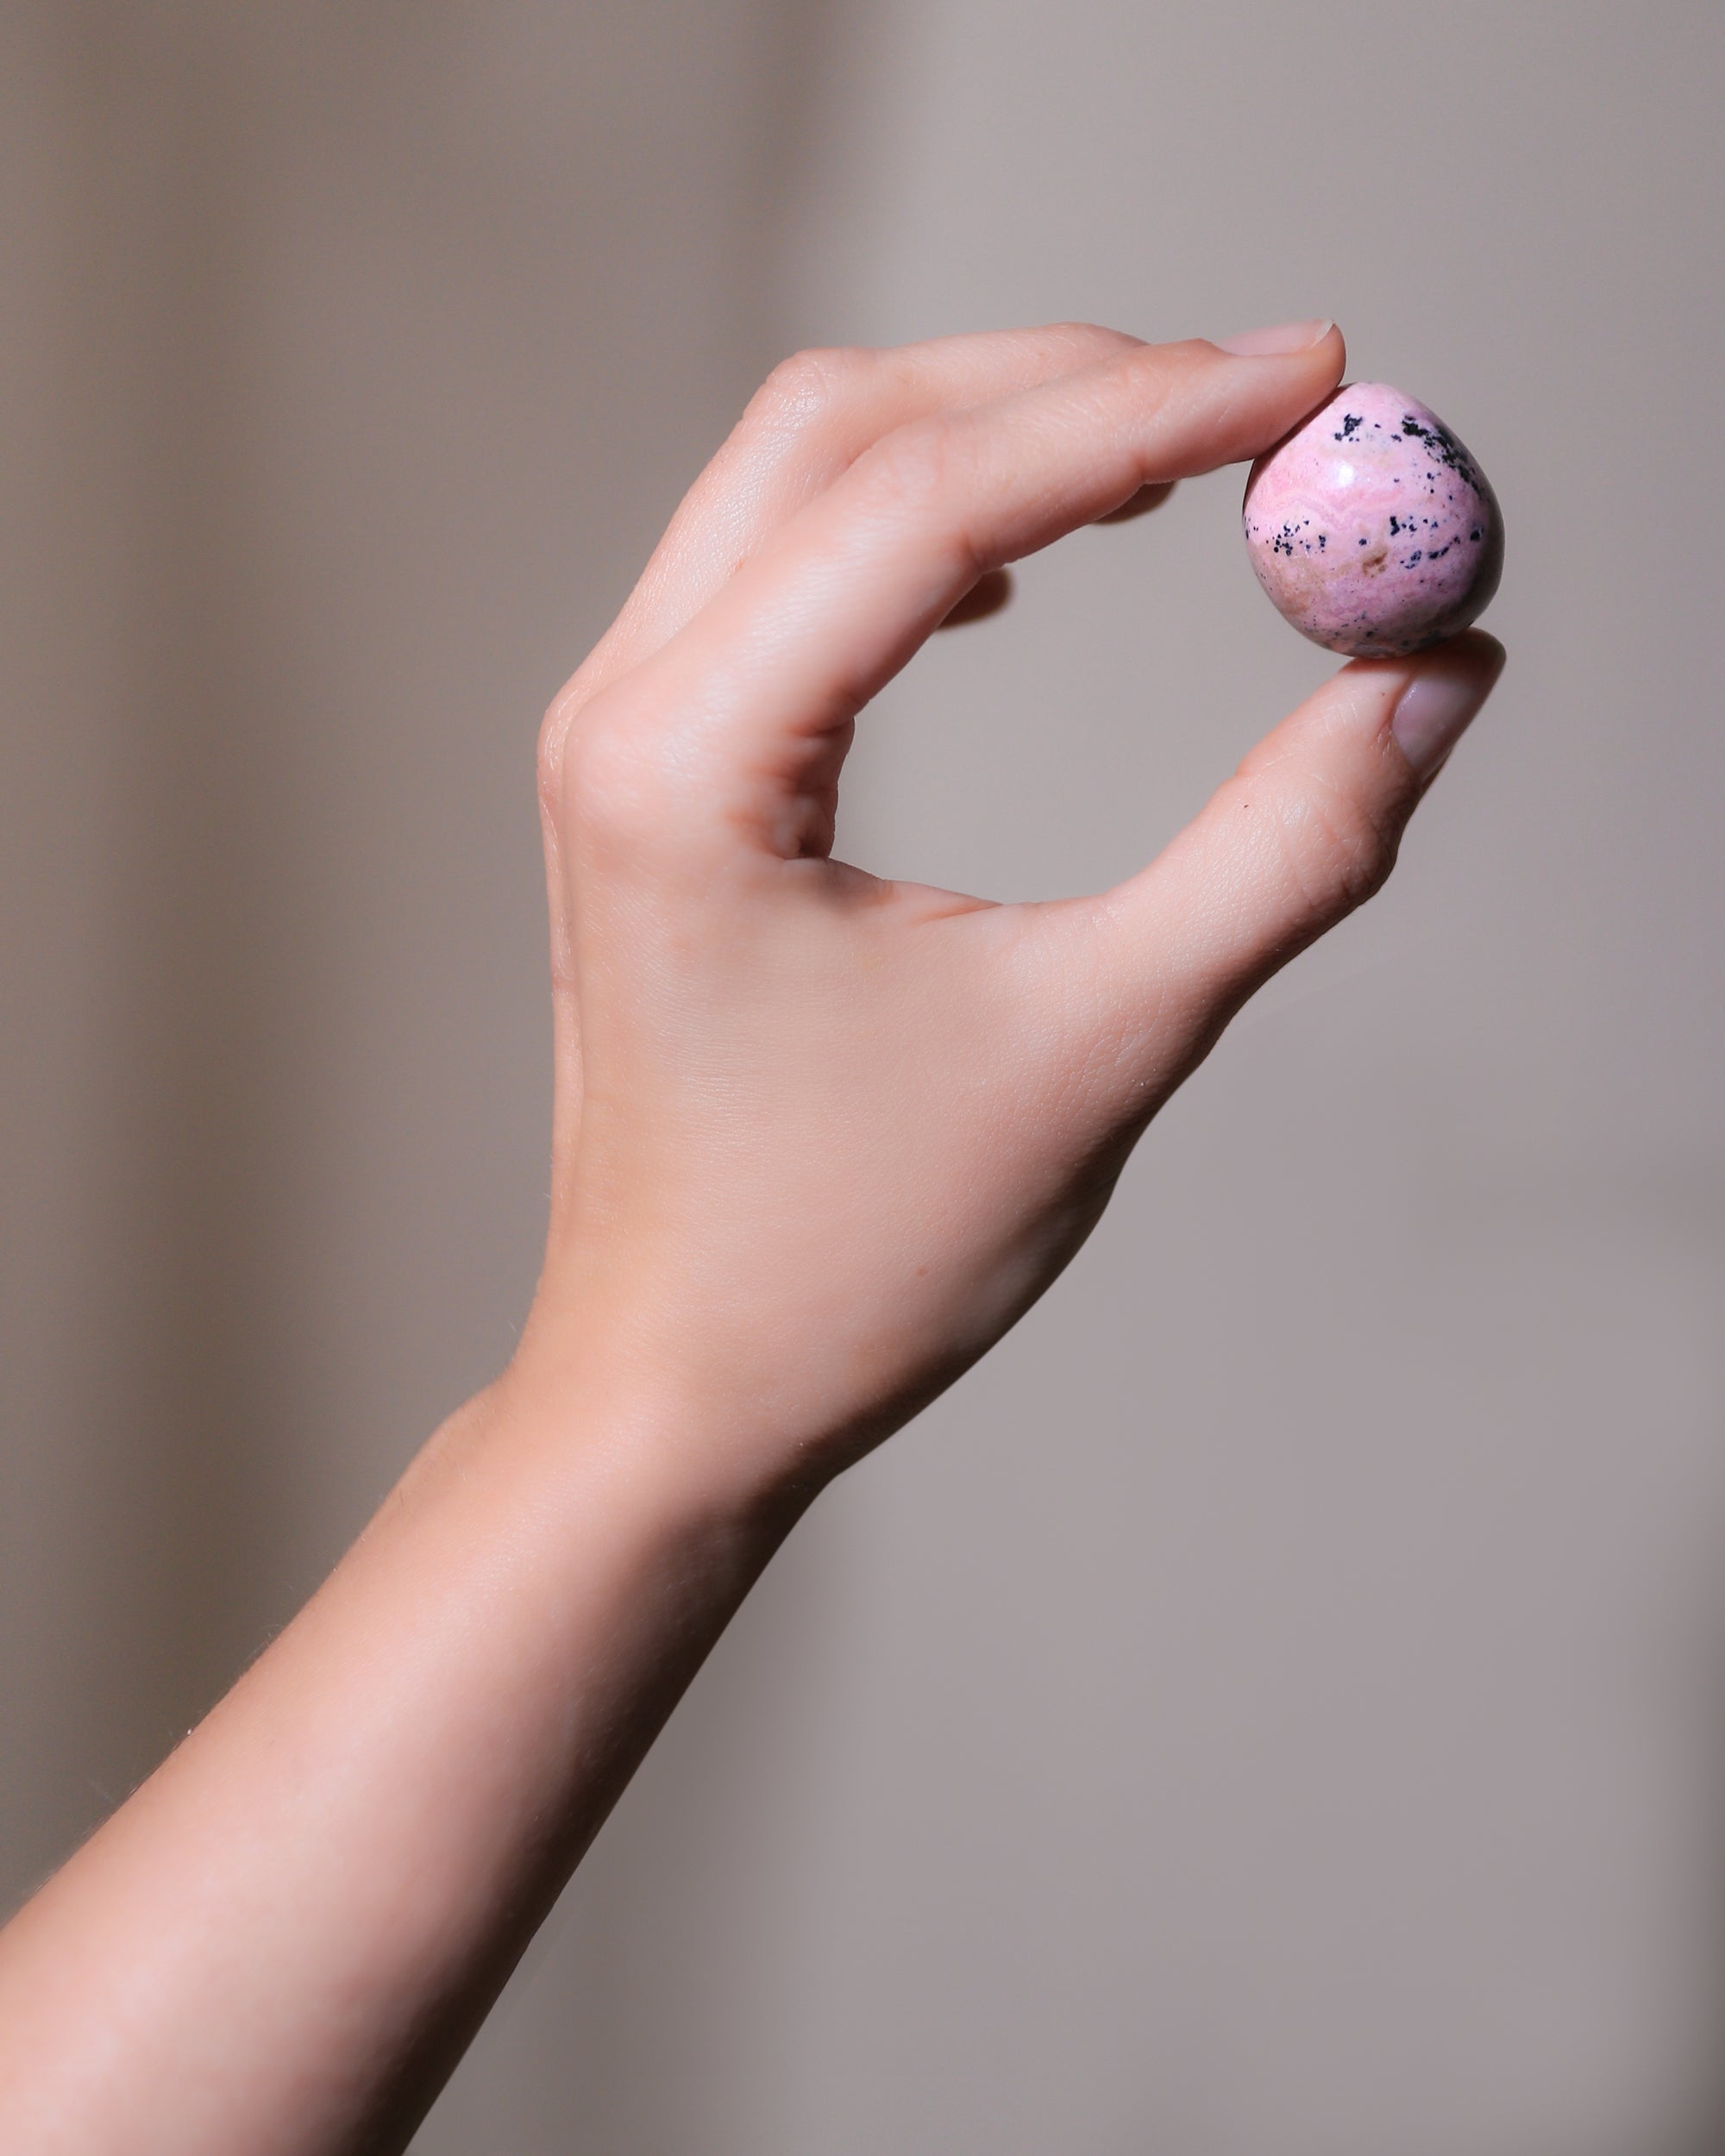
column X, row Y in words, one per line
column 1371, row 527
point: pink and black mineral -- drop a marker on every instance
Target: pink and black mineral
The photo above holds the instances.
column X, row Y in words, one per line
column 1370, row 527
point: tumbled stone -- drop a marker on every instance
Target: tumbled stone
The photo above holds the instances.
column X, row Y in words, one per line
column 1372, row 527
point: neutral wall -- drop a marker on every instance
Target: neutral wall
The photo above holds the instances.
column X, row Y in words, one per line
column 1278, row 1700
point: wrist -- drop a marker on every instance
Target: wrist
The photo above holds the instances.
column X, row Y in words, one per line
column 579, row 1435
column 701, row 1432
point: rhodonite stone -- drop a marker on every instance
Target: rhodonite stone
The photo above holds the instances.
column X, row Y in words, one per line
column 1372, row 527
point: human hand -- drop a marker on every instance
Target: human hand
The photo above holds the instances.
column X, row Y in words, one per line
column 820, row 1138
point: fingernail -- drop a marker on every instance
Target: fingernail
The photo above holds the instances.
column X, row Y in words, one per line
column 1285, row 336
column 1436, row 705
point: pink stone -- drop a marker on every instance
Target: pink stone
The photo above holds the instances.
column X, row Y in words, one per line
column 1372, row 527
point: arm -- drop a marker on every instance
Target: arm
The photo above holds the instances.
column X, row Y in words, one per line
column 818, row 1141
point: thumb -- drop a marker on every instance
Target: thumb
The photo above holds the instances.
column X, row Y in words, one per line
column 1306, row 830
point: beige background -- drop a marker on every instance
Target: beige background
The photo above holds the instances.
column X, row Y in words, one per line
column 1278, row 1702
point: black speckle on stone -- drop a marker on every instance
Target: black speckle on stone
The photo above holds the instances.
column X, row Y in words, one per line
column 1443, row 448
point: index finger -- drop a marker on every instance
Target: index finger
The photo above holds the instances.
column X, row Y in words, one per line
column 746, row 699
column 809, row 421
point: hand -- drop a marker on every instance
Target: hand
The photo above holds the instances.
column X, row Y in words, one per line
column 820, row 1138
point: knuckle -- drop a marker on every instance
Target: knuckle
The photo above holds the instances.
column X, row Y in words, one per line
column 1338, row 851
column 554, row 730
column 1145, row 372
column 1091, row 336
column 805, row 390
column 910, row 469
column 607, row 789
column 1081, row 344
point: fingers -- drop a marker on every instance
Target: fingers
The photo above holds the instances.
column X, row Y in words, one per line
column 1306, row 830
column 815, row 414
column 743, row 702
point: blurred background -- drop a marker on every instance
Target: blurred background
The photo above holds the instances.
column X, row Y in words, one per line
column 1278, row 1701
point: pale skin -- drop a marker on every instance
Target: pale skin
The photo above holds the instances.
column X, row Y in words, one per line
column 818, row 1141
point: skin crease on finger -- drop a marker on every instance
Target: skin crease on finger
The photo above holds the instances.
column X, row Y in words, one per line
column 818, row 1138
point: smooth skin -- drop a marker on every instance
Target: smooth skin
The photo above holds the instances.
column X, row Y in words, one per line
column 818, row 1140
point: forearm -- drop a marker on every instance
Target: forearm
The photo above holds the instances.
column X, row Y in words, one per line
column 282, row 1942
